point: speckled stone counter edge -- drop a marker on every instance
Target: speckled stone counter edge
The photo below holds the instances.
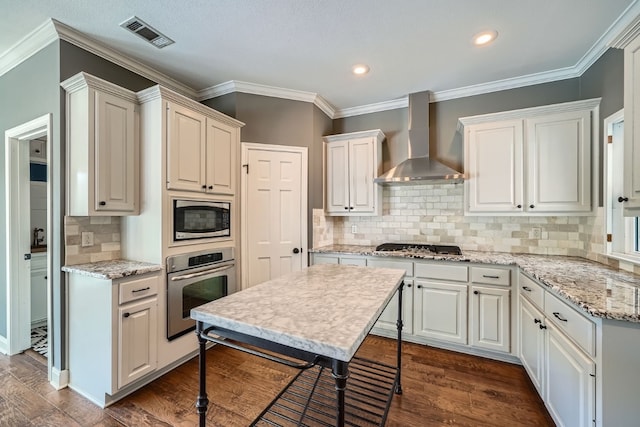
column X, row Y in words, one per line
column 110, row 270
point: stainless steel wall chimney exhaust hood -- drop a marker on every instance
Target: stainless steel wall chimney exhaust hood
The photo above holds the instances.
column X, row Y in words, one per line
column 419, row 168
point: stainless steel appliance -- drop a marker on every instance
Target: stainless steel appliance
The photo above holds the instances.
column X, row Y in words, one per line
column 419, row 247
column 200, row 219
column 194, row 279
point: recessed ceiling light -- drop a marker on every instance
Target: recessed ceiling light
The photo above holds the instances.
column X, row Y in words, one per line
column 360, row 69
column 485, row 37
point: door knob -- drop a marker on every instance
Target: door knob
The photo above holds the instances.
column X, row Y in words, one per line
column 296, row 250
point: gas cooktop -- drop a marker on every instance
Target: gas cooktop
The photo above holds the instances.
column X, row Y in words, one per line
column 418, row 247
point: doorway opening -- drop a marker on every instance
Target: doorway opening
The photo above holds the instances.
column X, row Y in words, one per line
column 27, row 166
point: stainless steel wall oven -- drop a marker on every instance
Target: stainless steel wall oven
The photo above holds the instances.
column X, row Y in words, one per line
column 194, row 279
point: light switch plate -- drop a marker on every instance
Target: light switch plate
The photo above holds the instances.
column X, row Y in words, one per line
column 87, row 238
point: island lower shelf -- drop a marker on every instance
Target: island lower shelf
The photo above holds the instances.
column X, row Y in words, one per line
column 310, row 398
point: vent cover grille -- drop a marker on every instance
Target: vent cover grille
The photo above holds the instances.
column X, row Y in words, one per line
column 140, row 28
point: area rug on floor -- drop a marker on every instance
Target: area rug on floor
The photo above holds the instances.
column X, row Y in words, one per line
column 39, row 340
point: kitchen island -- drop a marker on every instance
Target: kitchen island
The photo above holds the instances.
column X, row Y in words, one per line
column 319, row 316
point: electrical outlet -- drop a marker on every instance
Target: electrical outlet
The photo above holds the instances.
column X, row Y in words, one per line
column 87, row 238
column 354, row 229
column 536, row 233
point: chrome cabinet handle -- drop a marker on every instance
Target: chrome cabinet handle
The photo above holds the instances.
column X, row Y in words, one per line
column 559, row 317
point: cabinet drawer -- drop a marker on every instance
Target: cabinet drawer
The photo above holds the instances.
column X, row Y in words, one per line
column 131, row 290
column 385, row 263
column 576, row 326
column 532, row 291
column 457, row 273
column 325, row 259
column 491, row 276
column 353, row 261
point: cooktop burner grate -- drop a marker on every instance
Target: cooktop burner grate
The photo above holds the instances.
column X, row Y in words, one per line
column 436, row 249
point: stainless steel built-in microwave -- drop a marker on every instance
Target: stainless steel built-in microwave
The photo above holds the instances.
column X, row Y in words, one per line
column 200, row 219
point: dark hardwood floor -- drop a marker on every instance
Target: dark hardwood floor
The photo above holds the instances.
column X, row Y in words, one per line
column 440, row 388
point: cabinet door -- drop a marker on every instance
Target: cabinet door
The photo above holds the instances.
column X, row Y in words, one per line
column 570, row 381
column 389, row 316
column 490, row 318
column 116, row 157
column 221, row 158
column 337, row 170
column 632, row 127
column 38, row 295
column 186, row 149
column 361, row 175
column 559, row 163
column 137, row 344
column 440, row 311
column 531, row 351
column 494, row 166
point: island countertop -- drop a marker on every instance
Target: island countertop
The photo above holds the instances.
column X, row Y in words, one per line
column 324, row 309
column 114, row 269
column 594, row 288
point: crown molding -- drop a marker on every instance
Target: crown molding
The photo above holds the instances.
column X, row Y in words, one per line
column 265, row 90
column 75, row 37
column 373, row 108
column 83, row 80
column 28, row 46
column 628, row 26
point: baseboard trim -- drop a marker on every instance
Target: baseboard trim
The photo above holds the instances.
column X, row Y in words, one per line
column 59, row 379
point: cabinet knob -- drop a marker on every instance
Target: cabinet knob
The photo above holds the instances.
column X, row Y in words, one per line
column 623, row 199
column 408, row 286
column 204, row 187
column 519, row 206
column 537, row 321
column 350, row 207
column 419, row 286
column 102, row 203
column 211, row 187
column 476, row 292
column 532, row 206
column 45, row 277
column 542, row 326
column 126, row 314
column 346, row 208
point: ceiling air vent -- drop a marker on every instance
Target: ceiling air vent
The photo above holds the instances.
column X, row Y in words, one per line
column 144, row 30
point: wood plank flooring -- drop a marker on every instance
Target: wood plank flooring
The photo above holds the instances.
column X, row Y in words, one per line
column 440, row 388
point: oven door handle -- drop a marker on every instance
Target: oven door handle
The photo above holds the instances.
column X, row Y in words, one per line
column 201, row 273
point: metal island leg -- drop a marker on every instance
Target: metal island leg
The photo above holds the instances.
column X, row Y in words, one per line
column 340, row 373
column 399, row 325
column 202, row 402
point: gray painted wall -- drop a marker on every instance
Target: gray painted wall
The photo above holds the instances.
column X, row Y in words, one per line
column 28, row 91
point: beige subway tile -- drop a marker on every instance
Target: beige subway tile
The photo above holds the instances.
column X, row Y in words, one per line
column 72, row 230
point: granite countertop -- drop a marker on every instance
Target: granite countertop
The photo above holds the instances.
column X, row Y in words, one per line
column 594, row 288
column 110, row 270
column 324, row 309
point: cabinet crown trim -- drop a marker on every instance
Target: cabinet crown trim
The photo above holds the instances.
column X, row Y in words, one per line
column 526, row 113
column 157, row 92
column 83, row 80
column 376, row 133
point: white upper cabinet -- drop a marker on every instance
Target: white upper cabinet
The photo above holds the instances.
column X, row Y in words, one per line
column 352, row 162
column 536, row 161
column 632, row 128
column 102, row 148
column 202, row 152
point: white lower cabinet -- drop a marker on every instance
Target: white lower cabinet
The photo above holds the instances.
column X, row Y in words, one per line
column 112, row 333
column 388, row 320
column 440, row 311
column 531, row 351
column 490, row 318
column 570, row 381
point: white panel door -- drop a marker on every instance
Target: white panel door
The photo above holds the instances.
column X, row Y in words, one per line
column 337, row 191
column 361, row 175
column 532, row 339
column 490, row 318
column 440, row 311
column 186, row 149
column 495, row 167
column 221, row 155
column 559, row 163
column 274, row 213
column 116, row 153
column 570, row 381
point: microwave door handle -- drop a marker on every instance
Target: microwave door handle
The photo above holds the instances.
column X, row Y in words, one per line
column 201, row 273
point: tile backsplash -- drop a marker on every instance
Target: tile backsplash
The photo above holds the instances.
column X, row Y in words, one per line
column 434, row 213
column 106, row 239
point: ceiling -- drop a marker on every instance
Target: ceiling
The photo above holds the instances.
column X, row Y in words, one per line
column 311, row 45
